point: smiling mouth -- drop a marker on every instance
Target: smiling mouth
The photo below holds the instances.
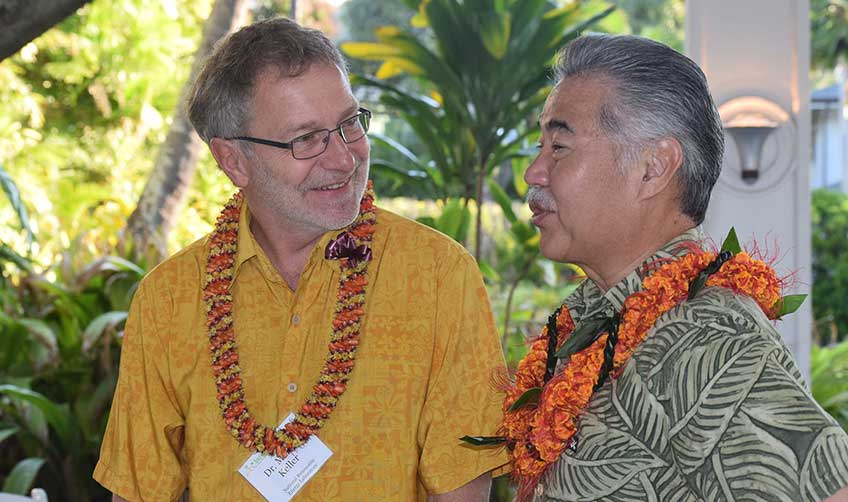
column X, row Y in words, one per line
column 334, row 186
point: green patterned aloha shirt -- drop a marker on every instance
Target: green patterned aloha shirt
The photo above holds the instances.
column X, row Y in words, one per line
column 710, row 407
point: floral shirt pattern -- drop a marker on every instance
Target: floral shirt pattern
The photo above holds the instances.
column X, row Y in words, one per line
column 422, row 378
column 710, row 407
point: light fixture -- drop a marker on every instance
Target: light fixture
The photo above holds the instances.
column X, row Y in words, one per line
column 749, row 120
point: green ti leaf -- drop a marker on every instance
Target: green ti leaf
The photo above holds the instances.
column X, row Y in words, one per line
column 531, row 396
column 789, row 304
column 22, row 476
column 697, row 285
column 483, row 440
column 731, row 242
column 8, row 432
column 584, row 334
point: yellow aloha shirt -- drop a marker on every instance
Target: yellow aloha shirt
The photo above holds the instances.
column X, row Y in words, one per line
column 422, row 377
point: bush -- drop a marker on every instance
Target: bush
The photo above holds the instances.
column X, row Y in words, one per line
column 830, row 268
column 60, row 346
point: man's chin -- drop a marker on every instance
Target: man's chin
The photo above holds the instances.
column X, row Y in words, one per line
column 552, row 250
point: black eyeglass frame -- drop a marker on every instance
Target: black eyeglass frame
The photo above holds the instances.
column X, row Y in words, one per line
column 289, row 146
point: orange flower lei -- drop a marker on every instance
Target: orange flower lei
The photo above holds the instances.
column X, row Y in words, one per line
column 222, row 340
column 536, row 435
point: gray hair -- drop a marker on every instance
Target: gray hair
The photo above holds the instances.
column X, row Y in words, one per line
column 218, row 104
column 657, row 92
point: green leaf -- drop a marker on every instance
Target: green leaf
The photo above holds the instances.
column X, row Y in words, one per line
column 524, row 232
column 454, row 220
column 107, row 264
column 731, row 242
column 789, row 304
column 370, row 51
column 697, row 285
column 9, row 254
column 584, row 335
column 483, row 440
column 100, row 325
column 488, row 271
column 59, row 417
column 396, row 147
column 14, row 195
column 8, row 432
column 22, row 476
column 518, row 168
column 530, row 396
column 494, row 31
column 41, row 332
column 503, row 200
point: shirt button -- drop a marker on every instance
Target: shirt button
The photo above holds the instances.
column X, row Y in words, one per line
column 296, row 319
column 292, row 387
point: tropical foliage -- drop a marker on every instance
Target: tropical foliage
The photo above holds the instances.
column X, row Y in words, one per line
column 830, row 268
column 83, row 109
column 467, row 125
column 59, row 333
column 829, row 380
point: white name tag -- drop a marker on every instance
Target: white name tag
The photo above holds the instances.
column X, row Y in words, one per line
column 279, row 479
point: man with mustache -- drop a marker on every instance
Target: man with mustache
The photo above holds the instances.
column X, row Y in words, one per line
column 661, row 377
column 373, row 331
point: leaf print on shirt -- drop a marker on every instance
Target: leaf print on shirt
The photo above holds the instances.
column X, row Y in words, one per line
column 750, row 464
column 606, row 460
column 711, row 381
column 825, row 458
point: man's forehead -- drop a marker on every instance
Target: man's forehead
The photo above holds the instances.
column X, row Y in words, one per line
column 575, row 100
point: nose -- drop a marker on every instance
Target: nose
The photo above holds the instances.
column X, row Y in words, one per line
column 537, row 171
column 341, row 156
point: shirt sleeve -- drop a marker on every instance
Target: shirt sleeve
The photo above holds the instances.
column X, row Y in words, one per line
column 461, row 397
column 140, row 453
column 744, row 425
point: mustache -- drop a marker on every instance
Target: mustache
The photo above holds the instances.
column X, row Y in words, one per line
column 540, row 197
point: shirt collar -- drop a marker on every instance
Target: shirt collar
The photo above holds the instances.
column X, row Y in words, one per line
column 249, row 248
column 588, row 299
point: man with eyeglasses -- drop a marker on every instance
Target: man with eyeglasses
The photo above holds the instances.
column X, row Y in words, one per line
column 370, row 335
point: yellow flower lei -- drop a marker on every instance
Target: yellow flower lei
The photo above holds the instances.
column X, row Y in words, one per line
column 344, row 339
column 537, row 433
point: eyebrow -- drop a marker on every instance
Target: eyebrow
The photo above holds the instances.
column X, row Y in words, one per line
column 558, row 125
column 312, row 125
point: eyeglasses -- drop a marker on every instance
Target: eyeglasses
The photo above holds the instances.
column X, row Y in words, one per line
column 313, row 144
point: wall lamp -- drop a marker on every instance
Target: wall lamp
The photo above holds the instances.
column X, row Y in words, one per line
column 749, row 120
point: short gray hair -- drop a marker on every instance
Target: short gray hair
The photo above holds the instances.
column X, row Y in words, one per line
column 218, row 104
column 657, row 92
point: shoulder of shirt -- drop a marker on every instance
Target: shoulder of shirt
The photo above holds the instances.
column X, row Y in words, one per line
column 418, row 236
column 722, row 311
column 187, row 263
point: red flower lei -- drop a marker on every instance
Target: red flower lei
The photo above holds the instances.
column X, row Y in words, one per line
column 536, row 435
column 344, row 338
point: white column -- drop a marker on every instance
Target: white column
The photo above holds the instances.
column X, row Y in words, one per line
column 761, row 48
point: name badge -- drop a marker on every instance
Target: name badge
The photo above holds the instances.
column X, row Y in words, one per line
column 279, row 479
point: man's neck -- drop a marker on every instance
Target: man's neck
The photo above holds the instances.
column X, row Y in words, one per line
column 288, row 252
column 635, row 248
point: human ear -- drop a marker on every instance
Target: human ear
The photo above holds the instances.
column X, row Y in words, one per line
column 659, row 164
column 231, row 159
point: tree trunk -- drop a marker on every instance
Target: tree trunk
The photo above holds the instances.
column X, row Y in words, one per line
column 165, row 190
column 24, row 20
